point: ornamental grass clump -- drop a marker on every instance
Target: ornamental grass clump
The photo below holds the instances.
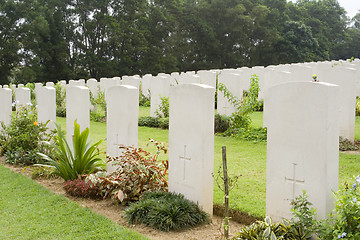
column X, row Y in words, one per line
column 166, row 211
column 72, row 164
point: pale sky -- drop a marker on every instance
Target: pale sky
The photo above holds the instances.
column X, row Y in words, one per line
column 351, row 6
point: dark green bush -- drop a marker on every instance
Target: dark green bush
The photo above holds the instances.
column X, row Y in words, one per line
column 250, row 134
column 154, row 122
column 164, row 123
column 166, row 211
column 148, row 122
column 222, row 123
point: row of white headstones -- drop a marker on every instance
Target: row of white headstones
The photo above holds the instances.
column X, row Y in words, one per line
column 304, row 120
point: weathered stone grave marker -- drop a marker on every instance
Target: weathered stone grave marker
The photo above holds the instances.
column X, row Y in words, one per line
column 122, row 119
column 191, row 143
column 6, row 105
column 302, row 146
column 77, row 108
column 46, row 106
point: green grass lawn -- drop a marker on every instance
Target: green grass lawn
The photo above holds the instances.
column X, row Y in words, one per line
column 245, row 158
column 29, row 211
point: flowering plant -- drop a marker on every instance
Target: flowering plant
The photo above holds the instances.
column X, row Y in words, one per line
column 345, row 224
column 314, row 78
column 24, row 136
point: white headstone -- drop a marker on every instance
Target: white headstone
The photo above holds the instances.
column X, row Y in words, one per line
column 22, row 97
column 174, row 79
column 236, row 84
column 345, row 78
column 77, row 108
column 131, row 80
column 160, row 86
column 207, row 77
column 93, row 86
column 46, row 106
column 82, row 82
column 6, row 105
column 62, row 82
column 191, row 143
column 145, row 84
column 50, row 84
column 106, row 83
column 272, row 78
column 122, row 119
column 77, row 82
column 188, row 77
column 302, row 146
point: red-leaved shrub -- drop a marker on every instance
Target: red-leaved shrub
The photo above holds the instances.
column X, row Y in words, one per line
column 82, row 188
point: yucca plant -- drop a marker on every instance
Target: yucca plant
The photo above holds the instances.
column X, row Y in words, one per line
column 84, row 159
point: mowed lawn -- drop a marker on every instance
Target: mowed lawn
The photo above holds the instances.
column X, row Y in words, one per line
column 246, row 159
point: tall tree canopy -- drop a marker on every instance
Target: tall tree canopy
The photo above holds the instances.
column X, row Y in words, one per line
column 50, row 40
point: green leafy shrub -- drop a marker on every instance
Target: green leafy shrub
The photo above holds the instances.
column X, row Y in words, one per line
column 144, row 100
column 137, row 172
column 164, row 123
column 84, row 159
column 254, row 134
column 222, row 123
column 98, row 111
column 23, row 138
column 166, row 211
column 82, row 188
column 345, row 222
column 154, row 122
column 357, row 107
column 268, row 230
column 60, row 100
column 163, row 111
column 304, row 217
column 240, row 121
column 147, row 121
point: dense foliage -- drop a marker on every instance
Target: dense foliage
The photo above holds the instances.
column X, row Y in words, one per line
column 135, row 172
column 53, row 40
column 240, row 121
column 24, row 137
column 71, row 163
column 82, row 188
column 166, row 211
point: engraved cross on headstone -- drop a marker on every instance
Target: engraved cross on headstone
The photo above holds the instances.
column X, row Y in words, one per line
column 294, row 181
column 184, row 159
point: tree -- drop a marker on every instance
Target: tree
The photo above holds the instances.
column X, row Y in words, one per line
column 10, row 23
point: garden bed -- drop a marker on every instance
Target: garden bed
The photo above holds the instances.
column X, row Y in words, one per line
column 115, row 212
